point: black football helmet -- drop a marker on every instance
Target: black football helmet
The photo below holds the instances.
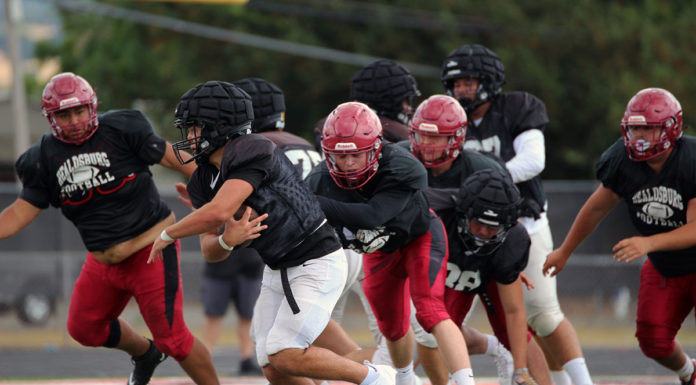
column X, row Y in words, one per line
column 268, row 101
column 223, row 110
column 383, row 85
column 478, row 62
column 489, row 197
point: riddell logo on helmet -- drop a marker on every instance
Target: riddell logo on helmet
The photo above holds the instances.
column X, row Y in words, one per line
column 428, row 127
column 637, row 119
column 345, row 146
column 69, row 102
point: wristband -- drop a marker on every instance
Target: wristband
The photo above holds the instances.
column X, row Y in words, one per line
column 165, row 237
column 224, row 245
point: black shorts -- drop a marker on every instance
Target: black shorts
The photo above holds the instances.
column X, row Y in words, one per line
column 242, row 290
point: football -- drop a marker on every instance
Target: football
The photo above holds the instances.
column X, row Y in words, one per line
column 240, row 212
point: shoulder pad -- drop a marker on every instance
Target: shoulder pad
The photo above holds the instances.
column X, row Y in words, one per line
column 126, row 120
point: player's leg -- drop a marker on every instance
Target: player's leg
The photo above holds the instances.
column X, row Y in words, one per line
column 663, row 304
column 158, row 289
column 244, row 296
column 556, row 333
column 316, row 286
column 427, row 270
column 215, row 295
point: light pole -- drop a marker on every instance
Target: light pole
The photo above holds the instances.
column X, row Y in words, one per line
column 13, row 14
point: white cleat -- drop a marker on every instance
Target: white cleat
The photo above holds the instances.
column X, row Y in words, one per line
column 504, row 365
column 387, row 374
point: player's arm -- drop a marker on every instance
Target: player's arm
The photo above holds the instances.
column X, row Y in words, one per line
column 592, row 212
column 682, row 237
column 530, row 155
column 516, row 320
column 170, row 161
column 210, row 216
column 17, row 216
column 376, row 212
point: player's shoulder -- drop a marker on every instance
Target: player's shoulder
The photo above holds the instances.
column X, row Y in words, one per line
column 519, row 101
column 285, row 139
column 31, row 158
column 476, row 161
column 392, row 130
column 125, row 121
column 399, row 164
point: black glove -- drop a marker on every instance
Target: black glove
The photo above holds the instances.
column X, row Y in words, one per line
column 530, row 208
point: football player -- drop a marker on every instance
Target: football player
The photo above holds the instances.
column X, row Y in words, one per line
column 389, row 89
column 437, row 132
column 374, row 190
column 488, row 250
column 511, row 125
column 95, row 169
column 305, row 266
column 652, row 169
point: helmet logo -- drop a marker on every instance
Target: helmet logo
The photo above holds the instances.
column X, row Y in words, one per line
column 345, row 146
column 452, row 63
column 69, row 102
column 637, row 119
column 428, row 127
column 454, row 72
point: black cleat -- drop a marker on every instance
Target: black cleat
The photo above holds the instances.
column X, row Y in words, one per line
column 145, row 365
column 249, row 367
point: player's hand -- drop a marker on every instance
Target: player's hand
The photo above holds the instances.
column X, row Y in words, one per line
column 629, row 249
column 239, row 231
column 156, row 251
column 555, row 262
column 521, row 377
column 526, row 281
column 184, row 196
column 372, row 240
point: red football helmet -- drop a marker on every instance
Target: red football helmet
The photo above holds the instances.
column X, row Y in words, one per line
column 651, row 107
column 352, row 128
column 67, row 90
column 442, row 116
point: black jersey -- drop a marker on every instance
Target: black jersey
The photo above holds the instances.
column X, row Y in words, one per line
column 470, row 272
column 300, row 152
column 392, row 199
column 295, row 232
column 510, row 114
column 103, row 186
column 656, row 202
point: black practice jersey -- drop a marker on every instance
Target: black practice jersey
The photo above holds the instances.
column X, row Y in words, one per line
column 103, row 186
column 392, row 131
column 300, row 152
column 295, row 232
column 656, row 202
column 392, row 200
column 469, row 272
column 510, row 114
column 463, row 166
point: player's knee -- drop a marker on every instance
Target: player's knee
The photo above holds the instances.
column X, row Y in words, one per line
column 546, row 322
column 177, row 347
column 654, row 345
column 87, row 335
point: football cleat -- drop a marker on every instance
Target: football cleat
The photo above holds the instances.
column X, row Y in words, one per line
column 145, row 365
column 503, row 364
column 692, row 380
column 522, row 377
column 387, row 374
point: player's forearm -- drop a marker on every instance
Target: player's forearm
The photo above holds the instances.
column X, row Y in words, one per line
column 211, row 249
column 680, row 238
column 16, row 216
column 203, row 220
column 530, row 158
column 170, row 161
column 517, row 333
column 585, row 223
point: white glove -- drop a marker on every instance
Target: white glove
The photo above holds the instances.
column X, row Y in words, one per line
column 372, row 240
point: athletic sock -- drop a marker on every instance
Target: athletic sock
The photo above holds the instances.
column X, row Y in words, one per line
column 464, row 377
column 577, row 370
column 492, row 344
column 686, row 371
column 372, row 375
column 560, row 377
column 405, row 375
